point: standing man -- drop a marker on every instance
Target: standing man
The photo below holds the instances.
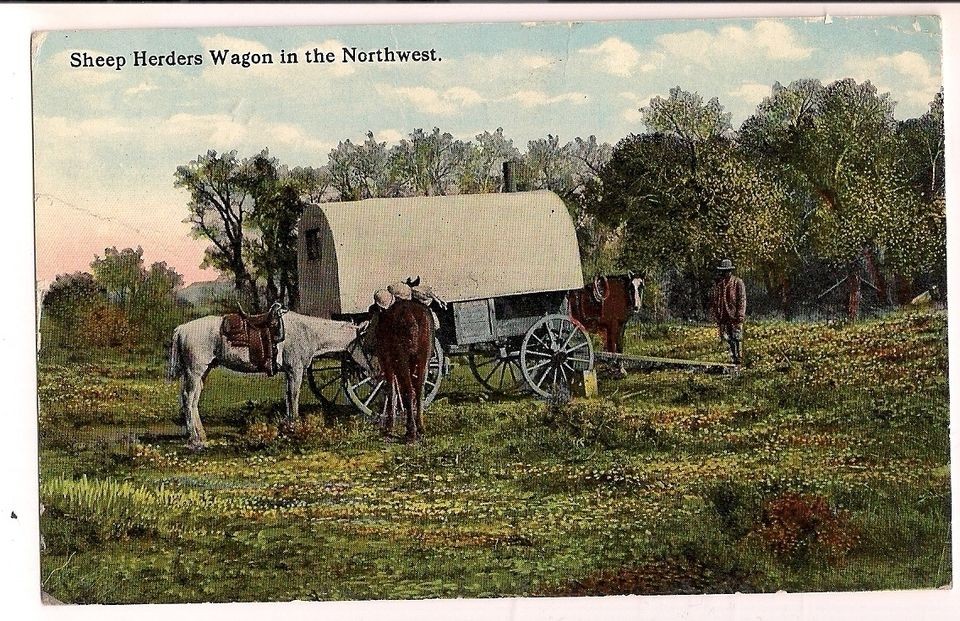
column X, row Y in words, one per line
column 728, row 307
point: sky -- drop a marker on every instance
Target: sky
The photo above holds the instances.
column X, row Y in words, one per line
column 107, row 141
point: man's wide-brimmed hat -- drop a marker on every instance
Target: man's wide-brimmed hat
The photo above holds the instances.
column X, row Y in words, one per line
column 725, row 266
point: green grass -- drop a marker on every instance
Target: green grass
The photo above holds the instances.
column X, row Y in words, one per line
column 662, row 484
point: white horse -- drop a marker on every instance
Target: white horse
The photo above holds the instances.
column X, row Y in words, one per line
column 198, row 347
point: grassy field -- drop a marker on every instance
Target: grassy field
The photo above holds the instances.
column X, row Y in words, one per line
column 824, row 465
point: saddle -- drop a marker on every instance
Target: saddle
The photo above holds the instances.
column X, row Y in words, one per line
column 260, row 334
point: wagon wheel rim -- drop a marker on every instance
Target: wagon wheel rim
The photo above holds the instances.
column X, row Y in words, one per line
column 553, row 351
column 364, row 391
column 368, row 393
column 435, row 368
column 499, row 374
column 325, row 378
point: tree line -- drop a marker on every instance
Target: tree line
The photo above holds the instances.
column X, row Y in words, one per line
column 821, row 197
column 820, row 193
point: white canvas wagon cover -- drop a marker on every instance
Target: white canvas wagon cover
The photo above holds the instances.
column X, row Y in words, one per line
column 465, row 247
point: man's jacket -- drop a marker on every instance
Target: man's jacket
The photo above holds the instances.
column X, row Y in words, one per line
column 728, row 301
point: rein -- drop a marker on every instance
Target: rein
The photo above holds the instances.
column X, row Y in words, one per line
column 601, row 292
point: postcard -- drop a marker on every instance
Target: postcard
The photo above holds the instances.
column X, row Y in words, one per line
column 492, row 310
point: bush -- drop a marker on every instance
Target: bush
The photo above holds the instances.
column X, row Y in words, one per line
column 259, row 435
column 800, row 526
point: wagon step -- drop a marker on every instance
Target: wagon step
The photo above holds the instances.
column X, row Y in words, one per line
column 651, row 362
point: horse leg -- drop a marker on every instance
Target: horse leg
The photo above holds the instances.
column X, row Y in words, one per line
column 407, row 401
column 389, row 404
column 294, row 382
column 192, row 385
column 418, row 394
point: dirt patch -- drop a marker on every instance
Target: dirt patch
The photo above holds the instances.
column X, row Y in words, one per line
column 666, row 577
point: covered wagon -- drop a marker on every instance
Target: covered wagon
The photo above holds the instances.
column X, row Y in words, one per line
column 504, row 264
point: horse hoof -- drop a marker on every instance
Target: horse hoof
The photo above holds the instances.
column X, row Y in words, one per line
column 197, row 445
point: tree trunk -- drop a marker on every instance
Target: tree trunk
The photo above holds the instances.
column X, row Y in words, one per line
column 903, row 289
column 853, row 296
column 878, row 280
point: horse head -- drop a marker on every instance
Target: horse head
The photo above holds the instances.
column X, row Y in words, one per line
column 636, row 284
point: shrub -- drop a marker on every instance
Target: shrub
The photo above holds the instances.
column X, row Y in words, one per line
column 259, row 435
column 107, row 326
column 800, row 526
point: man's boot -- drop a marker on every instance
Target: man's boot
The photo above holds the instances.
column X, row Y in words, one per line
column 736, row 348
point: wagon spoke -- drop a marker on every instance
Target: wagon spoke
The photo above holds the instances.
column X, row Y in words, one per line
column 490, row 374
column 373, row 393
column 539, row 353
column 573, row 333
column 364, row 381
column 537, row 366
column 580, row 346
column 503, row 373
column 553, row 340
column 513, row 377
column 563, row 374
column 539, row 340
column 543, row 377
column 554, row 376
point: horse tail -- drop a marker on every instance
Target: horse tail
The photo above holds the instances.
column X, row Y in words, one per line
column 175, row 367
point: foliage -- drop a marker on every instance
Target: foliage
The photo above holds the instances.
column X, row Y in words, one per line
column 218, row 186
column 119, row 510
column 69, row 300
column 670, row 482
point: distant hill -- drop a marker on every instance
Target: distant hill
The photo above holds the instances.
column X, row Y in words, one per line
column 205, row 292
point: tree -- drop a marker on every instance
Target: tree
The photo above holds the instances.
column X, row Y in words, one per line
column 218, row 185
column 70, row 298
column 483, row 163
column 684, row 115
column 277, row 208
column 429, row 164
column 840, row 153
column 120, row 273
column 311, row 184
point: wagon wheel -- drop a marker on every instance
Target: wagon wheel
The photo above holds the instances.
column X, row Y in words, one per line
column 553, row 350
column 500, row 372
column 325, row 378
column 368, row 393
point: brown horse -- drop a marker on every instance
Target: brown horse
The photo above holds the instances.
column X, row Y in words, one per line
column 403, row 346
column 605, row 305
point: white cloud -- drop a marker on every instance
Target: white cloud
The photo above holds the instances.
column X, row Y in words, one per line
column 909, row 78
column 234, row 44
column 432, row 101
column 530, row 98
column 766, row 40
column 536, row 62
column 143, row 87
column 632, row 114
column 616, row 56
column 751, row 92
column 390, row 135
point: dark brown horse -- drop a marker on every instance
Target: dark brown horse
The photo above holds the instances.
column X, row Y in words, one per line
column 606, row 304
column 403, row 345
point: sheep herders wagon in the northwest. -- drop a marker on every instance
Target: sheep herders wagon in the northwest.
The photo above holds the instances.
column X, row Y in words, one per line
column 503, row 264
